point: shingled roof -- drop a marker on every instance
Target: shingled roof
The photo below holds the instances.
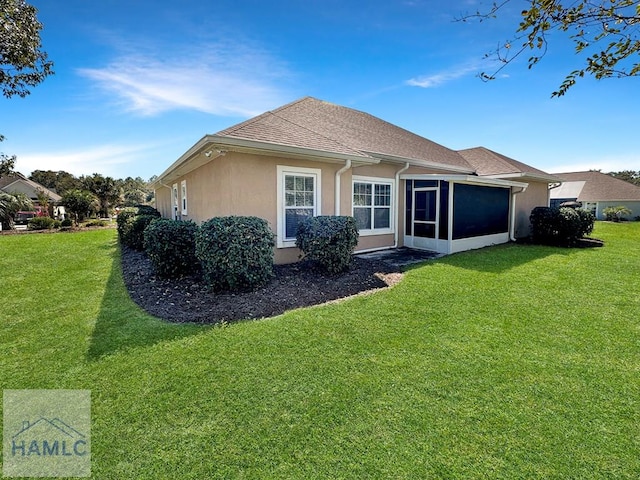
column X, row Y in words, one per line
column 489, row 163
column 599, row 187
column 319, row 125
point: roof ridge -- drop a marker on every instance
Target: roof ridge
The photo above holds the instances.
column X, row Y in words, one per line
column 314, row 131
column 251, row 120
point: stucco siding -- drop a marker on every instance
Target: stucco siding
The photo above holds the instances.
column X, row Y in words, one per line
column 536, row 195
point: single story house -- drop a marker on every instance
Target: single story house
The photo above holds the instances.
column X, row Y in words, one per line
column 311, row 157
column 18, row 183
column 596, row 191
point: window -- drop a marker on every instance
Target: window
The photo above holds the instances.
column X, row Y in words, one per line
column 183, row 188
column 372, row 205
column 175, row 201
column 298, row 199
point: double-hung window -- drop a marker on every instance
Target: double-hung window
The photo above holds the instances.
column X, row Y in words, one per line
column 298, row 199
column 373, row 205
column 183, row 188
column 174, row 206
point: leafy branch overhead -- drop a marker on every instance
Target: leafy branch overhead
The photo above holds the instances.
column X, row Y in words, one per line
column 605, row 35
column 22, row 62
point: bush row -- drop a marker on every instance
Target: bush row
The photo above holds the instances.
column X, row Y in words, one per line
column 48, row 223
column 233, row 253
column 560, row 226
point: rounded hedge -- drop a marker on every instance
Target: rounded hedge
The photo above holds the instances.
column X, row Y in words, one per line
column 171, row 247
column 560, row 226
column 329, row 241
column 235, row 252
column 43, row 223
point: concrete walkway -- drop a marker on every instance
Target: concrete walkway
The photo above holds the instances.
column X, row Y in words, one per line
column 400, row 257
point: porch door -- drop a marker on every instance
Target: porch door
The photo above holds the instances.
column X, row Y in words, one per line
column 425, row 213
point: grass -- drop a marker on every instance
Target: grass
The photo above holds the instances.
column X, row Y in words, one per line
column 509, row 362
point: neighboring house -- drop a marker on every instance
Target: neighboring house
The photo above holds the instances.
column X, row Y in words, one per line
column 312, row 157
column 18, row 183
column 596, row 191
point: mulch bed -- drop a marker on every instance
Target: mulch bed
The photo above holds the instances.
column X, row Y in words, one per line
column 188, row 299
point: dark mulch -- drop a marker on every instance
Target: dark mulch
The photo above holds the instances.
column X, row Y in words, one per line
column 294, row 286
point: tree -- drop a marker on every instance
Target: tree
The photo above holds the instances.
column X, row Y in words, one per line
column 79, row 203
column 10, row 204
column 6, row 162
column 105, row 189
column 616, row 214
column 134, row 191
column 605, row 35
column 22, row 62
column 630, row 176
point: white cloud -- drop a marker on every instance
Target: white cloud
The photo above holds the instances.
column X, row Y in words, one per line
column 438, row 79
column 220, row 79
column 104, row 159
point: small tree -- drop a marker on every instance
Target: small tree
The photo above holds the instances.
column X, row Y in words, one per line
column 78, row 203
column 10, row 204
column 615, row 214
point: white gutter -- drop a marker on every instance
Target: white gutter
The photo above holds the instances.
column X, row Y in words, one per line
column 396, row 230
column 347, row 166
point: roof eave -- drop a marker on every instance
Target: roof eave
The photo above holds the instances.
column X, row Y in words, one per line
column 530, row 175
column 195, row 156
column 419, row 163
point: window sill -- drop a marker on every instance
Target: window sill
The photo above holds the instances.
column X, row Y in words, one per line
column 368, row 233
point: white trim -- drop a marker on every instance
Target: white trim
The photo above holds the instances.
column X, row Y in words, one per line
column 472, row 243
column 392, row 208
column 282, row 171
column 174, row 201
column 468, row 179
column 183, row 197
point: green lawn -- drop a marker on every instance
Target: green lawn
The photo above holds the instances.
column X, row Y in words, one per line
column 509, row 362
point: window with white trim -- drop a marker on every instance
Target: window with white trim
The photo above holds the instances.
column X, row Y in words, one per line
column 373, row 205
column 183, row 190
column 298, row 199
column 175, row 201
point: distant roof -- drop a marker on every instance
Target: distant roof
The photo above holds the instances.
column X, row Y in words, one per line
column 596, row 187
column 316, row 124
column 489, row 163
column 8, row 181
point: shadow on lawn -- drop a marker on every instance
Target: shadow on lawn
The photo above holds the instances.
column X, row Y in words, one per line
column 501, row 258
column 122, row 325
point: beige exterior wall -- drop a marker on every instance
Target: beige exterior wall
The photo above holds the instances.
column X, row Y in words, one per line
column 246, row 184
column 536, row 195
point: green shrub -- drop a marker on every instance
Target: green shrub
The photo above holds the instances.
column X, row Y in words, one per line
column 135, row 236
column 96, row 223
column 235, row 252
column 66, row 223
column 542, row 225
column 328, row 240
column 43, row 223
column 171, row 247
column 587, row 222
column 616, row 214
column 147, row 210
column 560, row 226
column 124, row 220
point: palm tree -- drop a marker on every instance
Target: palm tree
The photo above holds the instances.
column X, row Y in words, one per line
column 10, row 204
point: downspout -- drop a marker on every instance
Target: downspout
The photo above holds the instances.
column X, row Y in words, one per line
column 339, row 173
column 396, row 230
column 512, row 226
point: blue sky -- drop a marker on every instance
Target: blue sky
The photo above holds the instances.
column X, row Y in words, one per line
column 138, row 82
